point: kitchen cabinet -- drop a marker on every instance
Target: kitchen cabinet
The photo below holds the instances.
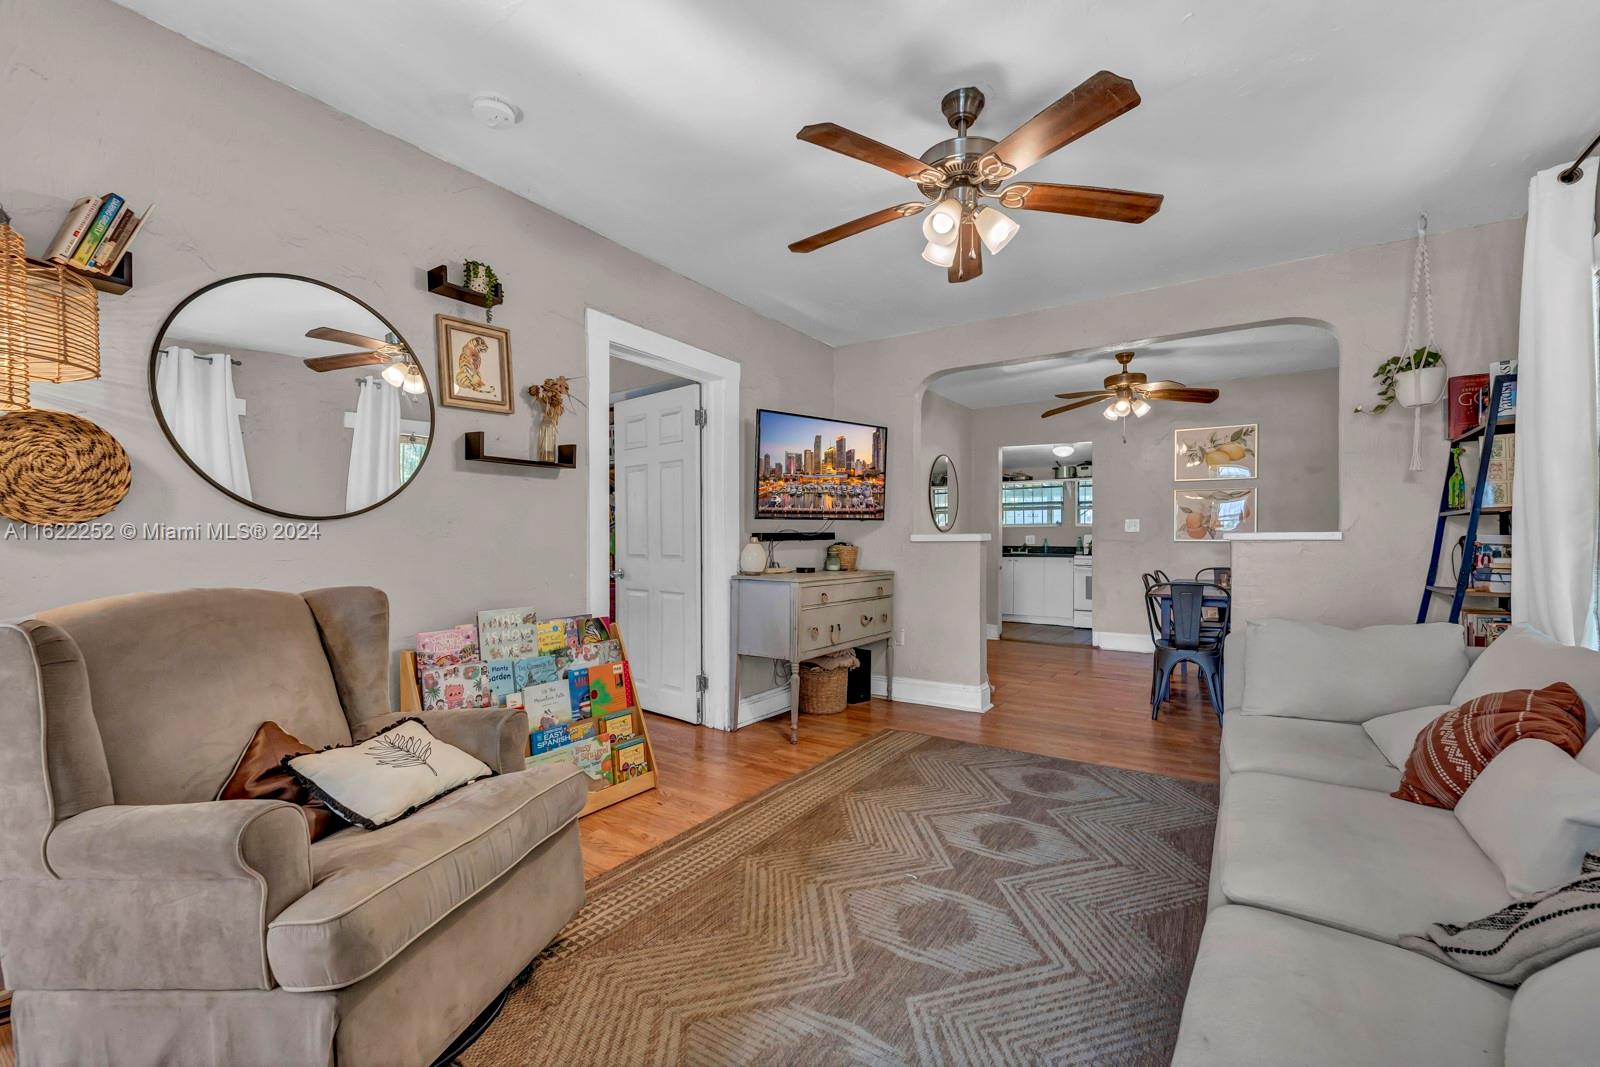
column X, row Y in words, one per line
column 1038, row 589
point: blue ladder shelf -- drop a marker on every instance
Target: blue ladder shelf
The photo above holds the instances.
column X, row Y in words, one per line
column 1474, row 512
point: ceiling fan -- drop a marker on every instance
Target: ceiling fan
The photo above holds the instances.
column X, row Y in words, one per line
column 401, row 371
column 955, row 174
column 1130, row 394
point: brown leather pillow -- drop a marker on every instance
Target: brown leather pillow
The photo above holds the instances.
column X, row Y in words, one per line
column 1455, row 748
column 259, row 775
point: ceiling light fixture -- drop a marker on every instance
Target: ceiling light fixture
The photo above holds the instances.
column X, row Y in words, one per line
column 1110, row 413
column 1062, row 451
column 940, row 255
column 940, row 227
column 1140, row 408
column 395, row 374
column 414, row 382
column 996, row 228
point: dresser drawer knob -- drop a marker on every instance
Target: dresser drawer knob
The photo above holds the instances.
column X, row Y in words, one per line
column 814, row 631
column 866, row 620
column 880, row 590
column 824, row 598
column 884, row 617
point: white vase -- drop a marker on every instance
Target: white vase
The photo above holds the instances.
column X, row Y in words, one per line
column 752, row 558
column 1419, row 388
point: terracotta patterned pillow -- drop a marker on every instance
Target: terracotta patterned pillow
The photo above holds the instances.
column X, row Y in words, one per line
column 1452, row 750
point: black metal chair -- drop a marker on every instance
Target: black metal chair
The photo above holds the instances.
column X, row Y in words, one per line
column 1181, row 637
column 1221, row 577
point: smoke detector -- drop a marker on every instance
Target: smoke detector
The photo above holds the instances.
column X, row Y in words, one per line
column 495, row 113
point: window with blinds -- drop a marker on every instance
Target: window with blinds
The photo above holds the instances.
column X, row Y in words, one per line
column 1031, row 503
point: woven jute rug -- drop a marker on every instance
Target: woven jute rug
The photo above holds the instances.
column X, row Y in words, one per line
column 912, row 900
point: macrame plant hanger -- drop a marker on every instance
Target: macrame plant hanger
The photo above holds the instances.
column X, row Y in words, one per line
column 1421, row 283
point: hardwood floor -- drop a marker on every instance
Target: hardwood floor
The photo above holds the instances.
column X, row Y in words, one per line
column 1059, row 700
column 1070, row 701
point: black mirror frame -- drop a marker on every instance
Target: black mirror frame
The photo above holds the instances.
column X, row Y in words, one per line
column 161, row 419
column 954, row 484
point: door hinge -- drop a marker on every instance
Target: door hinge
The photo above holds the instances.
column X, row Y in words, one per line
column 701, row 683
column 700, row 417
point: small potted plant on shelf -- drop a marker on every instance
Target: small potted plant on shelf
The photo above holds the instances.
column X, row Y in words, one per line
column 481, row 278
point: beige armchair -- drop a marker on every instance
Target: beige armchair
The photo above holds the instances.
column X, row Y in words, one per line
column 143, row 922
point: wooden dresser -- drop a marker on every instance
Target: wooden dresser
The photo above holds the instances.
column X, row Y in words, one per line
column 795, row 617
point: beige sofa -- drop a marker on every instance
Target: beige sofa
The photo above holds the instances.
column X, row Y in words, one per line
column 143, row 922
column 1317, row 871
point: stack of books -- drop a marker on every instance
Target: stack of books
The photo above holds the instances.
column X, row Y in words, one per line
column 1491, row 564
column 1482, row 625
column 96, row 234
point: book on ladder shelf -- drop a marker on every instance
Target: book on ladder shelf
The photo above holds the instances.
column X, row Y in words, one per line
column 1479, row 594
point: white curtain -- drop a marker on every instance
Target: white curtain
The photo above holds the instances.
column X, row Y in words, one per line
column 198, row 403
column 1554, row 489
column 375, row 452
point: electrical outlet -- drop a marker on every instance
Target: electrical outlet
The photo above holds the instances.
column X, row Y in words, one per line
column 1130, row 525
column 900, row 637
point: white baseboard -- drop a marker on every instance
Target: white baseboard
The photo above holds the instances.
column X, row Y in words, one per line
column 1112, row 642
column 935, row 694
column 764, row 705
column 991, row 631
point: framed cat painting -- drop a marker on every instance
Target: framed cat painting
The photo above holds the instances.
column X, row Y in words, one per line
column 474, row 365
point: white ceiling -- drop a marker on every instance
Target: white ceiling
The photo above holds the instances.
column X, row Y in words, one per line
column 1201, row 359
column 1277, row 129
column 272, row 315
column 1032, row 457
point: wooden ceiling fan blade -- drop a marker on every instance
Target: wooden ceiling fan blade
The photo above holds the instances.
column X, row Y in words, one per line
column 1101, row 98
column 1187, row 396
column 1114, row 205
column 345, row 359
column 1083, row 393
column 836, row 138
column 1165, row 383
column 345, row 337
column 1074, row 404
column 968, row 263
column 855, row 226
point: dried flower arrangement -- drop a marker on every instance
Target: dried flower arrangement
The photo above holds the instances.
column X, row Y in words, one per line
column 551, row 395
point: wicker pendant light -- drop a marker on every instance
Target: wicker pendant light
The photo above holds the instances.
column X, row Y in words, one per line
column 13, row 318
column 63, row 325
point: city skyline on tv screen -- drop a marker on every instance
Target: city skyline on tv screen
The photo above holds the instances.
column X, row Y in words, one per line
column 812, row 467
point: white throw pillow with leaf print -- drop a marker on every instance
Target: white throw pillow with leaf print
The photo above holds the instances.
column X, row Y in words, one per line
column 388, row 776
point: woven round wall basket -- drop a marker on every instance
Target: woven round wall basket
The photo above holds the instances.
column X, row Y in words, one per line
column 57, row 468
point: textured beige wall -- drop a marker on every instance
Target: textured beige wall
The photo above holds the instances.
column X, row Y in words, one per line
column 1297, row 416
column 251, row 176
column 1375, row 573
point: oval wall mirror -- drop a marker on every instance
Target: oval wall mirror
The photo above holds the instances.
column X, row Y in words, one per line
column 942, row 493
column 291, row 396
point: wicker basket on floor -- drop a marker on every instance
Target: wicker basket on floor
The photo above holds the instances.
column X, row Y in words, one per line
column 823, row 687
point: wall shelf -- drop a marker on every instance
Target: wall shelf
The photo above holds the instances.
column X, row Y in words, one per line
column 116, row 283
column 439, row 284
column 472, row 442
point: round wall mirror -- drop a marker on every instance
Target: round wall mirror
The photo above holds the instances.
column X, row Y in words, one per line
column 291, row 396
column 942, row 493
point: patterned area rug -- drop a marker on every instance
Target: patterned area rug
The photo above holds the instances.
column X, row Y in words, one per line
column 911, row 901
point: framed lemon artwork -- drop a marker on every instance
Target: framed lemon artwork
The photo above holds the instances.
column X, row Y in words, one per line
column 1212, row 453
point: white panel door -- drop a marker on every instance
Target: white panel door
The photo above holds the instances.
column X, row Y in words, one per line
column 656, row 453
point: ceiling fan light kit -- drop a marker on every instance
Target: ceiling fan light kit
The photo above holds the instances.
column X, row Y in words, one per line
column 955, row 174
column 1129, row 393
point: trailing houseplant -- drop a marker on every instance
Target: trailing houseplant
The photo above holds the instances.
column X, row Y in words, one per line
column 1404, row 371
column 481, row 278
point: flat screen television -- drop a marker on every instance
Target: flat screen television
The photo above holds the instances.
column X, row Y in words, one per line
column 809, row 467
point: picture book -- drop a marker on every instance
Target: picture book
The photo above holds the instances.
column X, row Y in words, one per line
column 582, row 729
column 609, row 686
column 445, row 648
column 618, row 726
column 555, row 737
column 548, row 704
column 502, row 681
column 551, row 635
column 592, row 655
column 565, row 756
column 629, row 759
column 1497, row 479
column 459, row 685
column 507, row 633
column 535, row 670
column 593, row 757
column 592, row 630
column 581, row 695
column 514, row 700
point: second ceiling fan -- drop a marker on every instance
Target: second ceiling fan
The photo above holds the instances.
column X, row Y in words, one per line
column 1130, row 393
column 956, row 174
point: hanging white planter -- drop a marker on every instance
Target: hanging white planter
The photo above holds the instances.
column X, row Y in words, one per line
column 1419, row 388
